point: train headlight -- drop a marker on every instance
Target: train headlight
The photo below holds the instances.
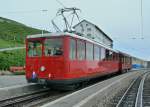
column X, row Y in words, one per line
column 49, row 75
column 42, row 68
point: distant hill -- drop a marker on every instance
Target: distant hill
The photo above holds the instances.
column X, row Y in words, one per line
column 13, row 33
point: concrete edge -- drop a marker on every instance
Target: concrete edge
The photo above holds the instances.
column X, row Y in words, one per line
column 18, row 90
column 100, row 97
column 16, row 86
column 75, row 93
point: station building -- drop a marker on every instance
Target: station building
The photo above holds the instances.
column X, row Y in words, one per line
column 92, row 31
column 139, row 63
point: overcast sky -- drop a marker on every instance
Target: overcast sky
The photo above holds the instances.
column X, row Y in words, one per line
column 120, row 19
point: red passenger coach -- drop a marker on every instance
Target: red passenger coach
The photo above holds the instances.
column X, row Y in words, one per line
column 125, row 62
column 66, row 59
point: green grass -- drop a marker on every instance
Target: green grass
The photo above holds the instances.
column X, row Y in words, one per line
column 8, row 44
column 13, row 33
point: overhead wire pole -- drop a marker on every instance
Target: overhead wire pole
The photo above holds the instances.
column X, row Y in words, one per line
column 141, row 11
column 44, row 10
column 61, row 3
column 141, row 25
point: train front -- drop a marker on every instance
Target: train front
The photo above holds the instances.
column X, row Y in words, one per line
column 45, row 58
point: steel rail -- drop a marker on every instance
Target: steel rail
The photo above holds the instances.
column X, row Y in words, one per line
column 138, row 93
column 22, row 98
column 146, row 92
column 120, row 101
column 139, row 98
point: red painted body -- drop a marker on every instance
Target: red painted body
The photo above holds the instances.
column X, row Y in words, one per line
column 63, row 68
column 125, row 62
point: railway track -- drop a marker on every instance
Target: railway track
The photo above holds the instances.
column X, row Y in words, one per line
column 136, row 95
column 32, row 99
column 35, row 99
column 146, row 92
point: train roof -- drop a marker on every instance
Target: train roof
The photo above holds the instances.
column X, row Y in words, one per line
column 69, row 34
column 124, row 54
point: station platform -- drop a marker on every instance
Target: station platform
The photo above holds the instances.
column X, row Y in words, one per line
column 12, row 80
column 96, row 95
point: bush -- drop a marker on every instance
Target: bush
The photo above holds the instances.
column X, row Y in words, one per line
column 12, row 58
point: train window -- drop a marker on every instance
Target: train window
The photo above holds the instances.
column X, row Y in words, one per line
column 34, row 48
column 96, row 53
column 123, row 59
column 53, row 47
column 117, row 56
column 80, row 50
column 114, row 56
column 103, row 53
column 109, row 55
column 72, row 49
column 126, row 59
column 89, row 51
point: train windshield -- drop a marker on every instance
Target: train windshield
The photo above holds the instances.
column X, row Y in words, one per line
column 34, row 48
column 53, row 47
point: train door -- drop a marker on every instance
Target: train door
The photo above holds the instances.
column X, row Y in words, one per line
column 34, row 56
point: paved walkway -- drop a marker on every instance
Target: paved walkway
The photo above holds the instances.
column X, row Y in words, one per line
column 9, row 49
column 6, row 81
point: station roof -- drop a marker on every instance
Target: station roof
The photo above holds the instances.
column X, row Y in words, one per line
column 96, row 28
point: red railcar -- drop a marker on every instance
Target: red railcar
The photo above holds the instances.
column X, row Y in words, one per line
column 125, row 62
column 66, row 59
